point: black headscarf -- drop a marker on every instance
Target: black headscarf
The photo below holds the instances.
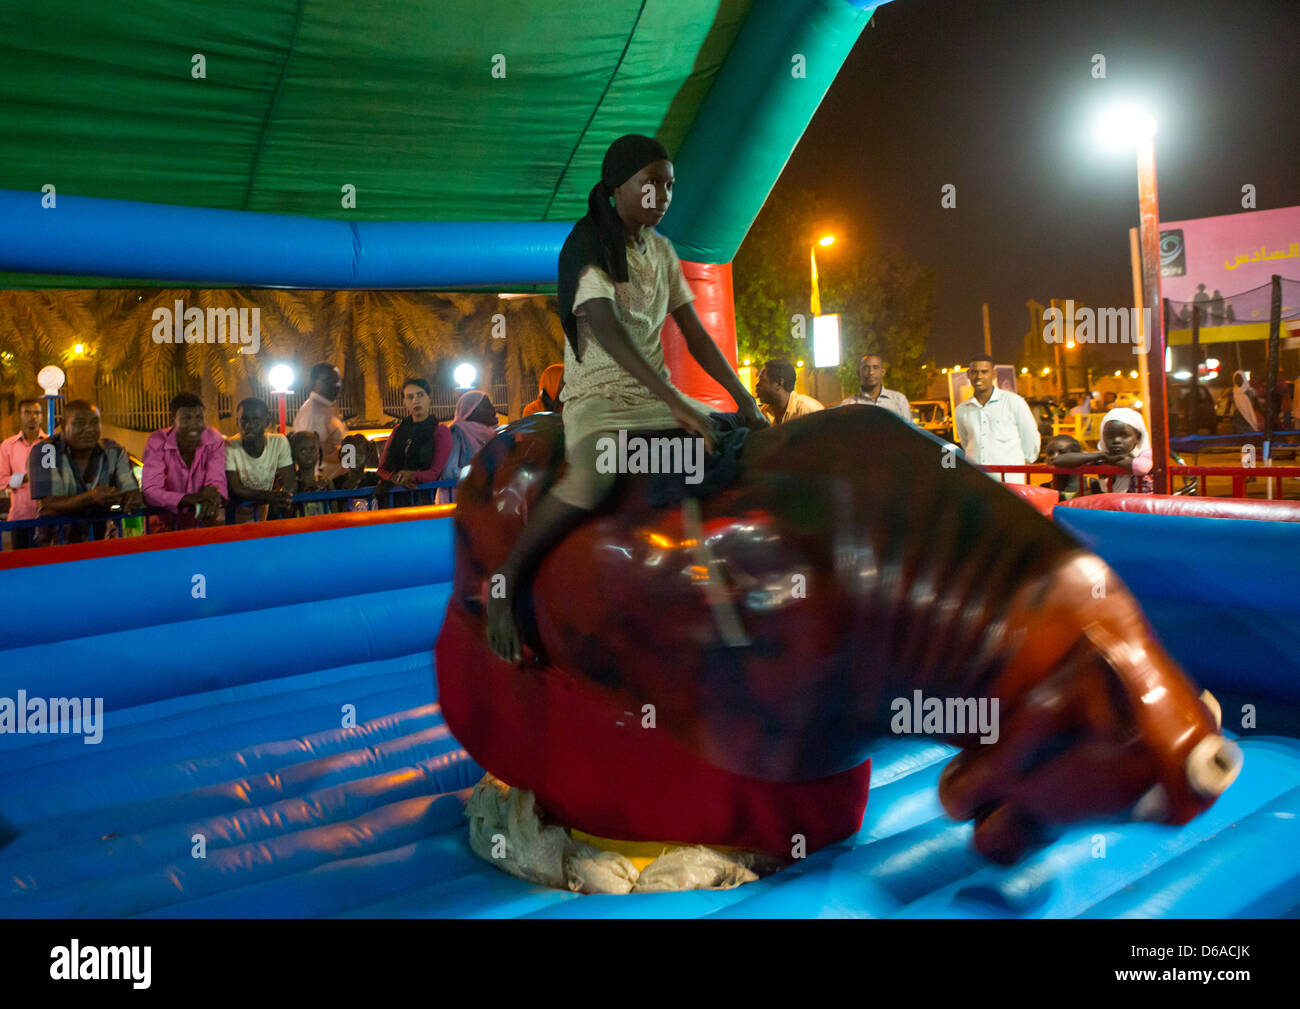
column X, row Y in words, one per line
column 598, row 238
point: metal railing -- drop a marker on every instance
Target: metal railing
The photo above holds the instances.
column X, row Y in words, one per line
column 443, row 399
column 122, row 525
column 129, row 403
column 1195, row 477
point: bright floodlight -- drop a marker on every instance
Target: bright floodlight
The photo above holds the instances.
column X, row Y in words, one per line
column 1125, row 125
column 51, row 379
column 281, row 378
column 828, row 240
column 464, row 376
column 826, row 341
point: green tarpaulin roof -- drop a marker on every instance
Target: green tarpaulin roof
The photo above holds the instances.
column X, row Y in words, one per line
column 487, row 110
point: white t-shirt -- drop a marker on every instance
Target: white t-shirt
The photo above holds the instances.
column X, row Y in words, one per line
column 259, row 473
column 655, row 288
column 599, row 394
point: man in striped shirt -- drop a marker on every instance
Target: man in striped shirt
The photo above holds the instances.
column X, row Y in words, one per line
column 79, row 473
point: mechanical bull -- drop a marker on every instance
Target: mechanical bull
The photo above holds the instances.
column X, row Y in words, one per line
column 716, row 671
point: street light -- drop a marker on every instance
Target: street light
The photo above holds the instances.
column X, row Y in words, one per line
column 464, row 376
column 281, row 378
column 816, row 301
column 1128, row 126
column 50, row 379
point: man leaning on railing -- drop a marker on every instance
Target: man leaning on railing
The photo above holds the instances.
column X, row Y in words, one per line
column 76, row 473
column 185, row 469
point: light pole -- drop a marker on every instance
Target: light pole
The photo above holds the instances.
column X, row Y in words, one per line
column 51, row 379
column 281, row 379
column 1131, row 127
column 815, row 302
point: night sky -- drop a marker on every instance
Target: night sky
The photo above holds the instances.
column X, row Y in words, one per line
column 998, row 99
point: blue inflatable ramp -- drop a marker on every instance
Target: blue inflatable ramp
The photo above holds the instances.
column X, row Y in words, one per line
column 271, row 746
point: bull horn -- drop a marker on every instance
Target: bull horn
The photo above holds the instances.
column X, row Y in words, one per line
column 1213, row 765
column 1153, row 807
column 1212, row 702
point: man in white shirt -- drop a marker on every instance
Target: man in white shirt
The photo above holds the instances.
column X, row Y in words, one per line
column 995, row 426
column 320, row 414
column 871, row 373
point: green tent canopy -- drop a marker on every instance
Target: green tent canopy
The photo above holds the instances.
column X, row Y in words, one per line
column 488, row 111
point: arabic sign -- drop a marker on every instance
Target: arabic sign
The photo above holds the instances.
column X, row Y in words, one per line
column 1215, row 257
column 1224, row 267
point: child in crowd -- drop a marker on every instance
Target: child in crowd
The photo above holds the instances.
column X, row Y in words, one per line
column 1068, row 485
column 306, row 461
column 1126, row 444
column 259, row 466
column 356, row 454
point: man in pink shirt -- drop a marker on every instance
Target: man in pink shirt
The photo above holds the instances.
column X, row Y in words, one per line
column 185, row 469
column 13, row 468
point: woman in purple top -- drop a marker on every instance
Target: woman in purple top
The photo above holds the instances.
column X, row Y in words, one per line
column 185, row 469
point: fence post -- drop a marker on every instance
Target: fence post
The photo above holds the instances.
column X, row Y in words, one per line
column 1194, row 405
column 1270, row 398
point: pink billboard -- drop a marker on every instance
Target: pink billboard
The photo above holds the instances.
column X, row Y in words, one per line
column 1225, row 256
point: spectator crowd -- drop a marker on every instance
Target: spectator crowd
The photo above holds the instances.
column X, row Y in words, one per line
column 192, row 476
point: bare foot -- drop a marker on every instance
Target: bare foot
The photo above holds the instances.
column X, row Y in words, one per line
column 502, row 630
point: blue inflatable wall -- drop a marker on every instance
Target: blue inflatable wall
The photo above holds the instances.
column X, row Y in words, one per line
column 1221, row 593
column 273, row 747
column 154, row 241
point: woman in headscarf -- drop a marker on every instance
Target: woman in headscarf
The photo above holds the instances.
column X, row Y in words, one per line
column 1245, row 417
column 1126, row 444
column 1124, row 436
column 549, row 387
column 474, row 425
column 619, row 280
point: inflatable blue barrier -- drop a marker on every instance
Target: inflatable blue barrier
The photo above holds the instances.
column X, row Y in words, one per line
column 1221, row 593
column 114, row 238
column 272, row 746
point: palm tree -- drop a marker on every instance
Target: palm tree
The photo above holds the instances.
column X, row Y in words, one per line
column 379, row 337
column 126, row 322
column 39, row 328
column 532, row 340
